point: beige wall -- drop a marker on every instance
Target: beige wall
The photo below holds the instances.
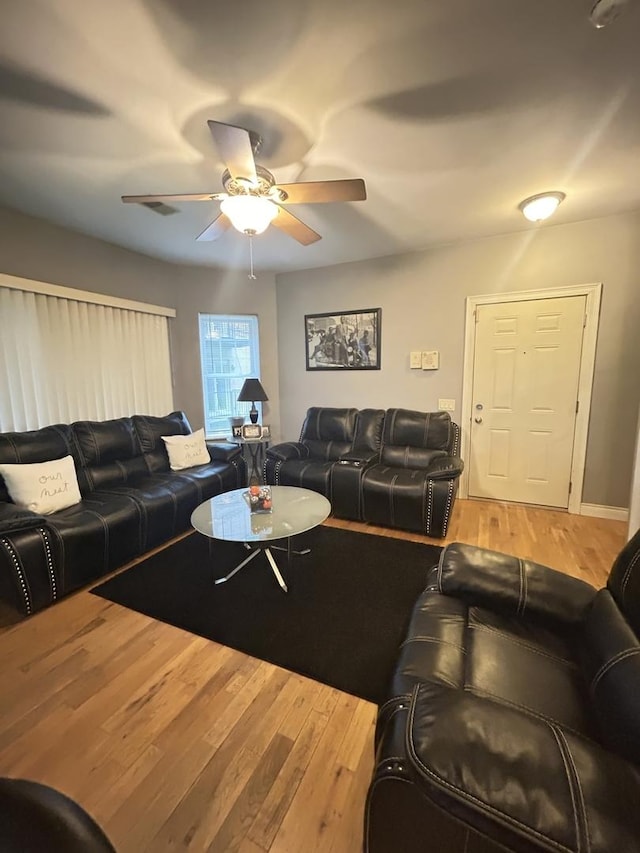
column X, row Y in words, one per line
column 422, row 299
column 422, row 296
column 33, row 248
column 217, row 292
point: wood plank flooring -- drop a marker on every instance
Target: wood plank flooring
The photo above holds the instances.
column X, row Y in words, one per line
column 174, row 742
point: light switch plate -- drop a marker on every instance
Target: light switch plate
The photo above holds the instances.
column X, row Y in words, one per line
column 415, row 359
column 446, row 405
column 430, row 359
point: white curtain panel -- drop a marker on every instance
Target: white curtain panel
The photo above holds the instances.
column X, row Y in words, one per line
column 63, row 360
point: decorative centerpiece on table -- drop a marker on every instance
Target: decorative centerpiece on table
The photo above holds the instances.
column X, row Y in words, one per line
column 260, row 498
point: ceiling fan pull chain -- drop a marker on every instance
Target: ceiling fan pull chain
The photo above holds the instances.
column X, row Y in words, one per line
column 251, row 275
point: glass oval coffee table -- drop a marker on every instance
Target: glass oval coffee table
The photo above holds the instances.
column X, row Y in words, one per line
column 228, row 517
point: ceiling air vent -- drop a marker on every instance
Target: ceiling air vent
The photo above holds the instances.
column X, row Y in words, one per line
column 160, row 207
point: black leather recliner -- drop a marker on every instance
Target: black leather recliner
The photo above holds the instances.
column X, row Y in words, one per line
column 513, row 721
column 397, row 468
column 334, row 449
column 416, row 481
column 36, row 818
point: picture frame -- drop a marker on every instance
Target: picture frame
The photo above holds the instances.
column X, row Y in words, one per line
column 251, row 431
column 343, row 340
column 266, row 431
column 236, row 431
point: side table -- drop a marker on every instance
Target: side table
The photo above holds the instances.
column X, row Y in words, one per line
column 256, row 449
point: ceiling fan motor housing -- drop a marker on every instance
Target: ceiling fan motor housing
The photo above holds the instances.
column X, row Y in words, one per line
column 266, row 187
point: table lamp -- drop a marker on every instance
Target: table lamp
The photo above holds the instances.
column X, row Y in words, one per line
column 251, row 391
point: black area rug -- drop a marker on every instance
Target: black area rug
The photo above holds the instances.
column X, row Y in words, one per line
column 341, row 622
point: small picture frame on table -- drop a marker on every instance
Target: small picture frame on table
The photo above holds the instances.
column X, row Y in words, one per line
column 236, row 431
column 266, row 431
column 251, row 431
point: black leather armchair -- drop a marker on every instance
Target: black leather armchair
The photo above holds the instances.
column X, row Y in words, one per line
column 416, row 481
column 36, row 818
column 513, row 721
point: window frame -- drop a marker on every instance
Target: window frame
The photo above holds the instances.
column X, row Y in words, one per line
column 207, row 377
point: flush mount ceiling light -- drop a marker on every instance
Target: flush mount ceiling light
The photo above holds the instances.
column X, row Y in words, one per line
column 541, row 206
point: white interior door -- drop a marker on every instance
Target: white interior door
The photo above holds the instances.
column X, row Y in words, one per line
column 525, row 389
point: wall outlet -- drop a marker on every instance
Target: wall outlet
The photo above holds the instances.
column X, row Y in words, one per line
column 415, row 359
column 430, row 360
column 446, row 405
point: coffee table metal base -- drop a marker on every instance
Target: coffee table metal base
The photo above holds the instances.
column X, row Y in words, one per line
column 267, row 551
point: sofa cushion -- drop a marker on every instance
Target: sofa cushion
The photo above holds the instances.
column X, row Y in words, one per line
column 38, row 445
column 101, row 442
column 369, row 427
column 99, row 534
column 150, row 430
column 406, row 456
column 110, row 453
column 408, row 498
column 418, row 429
column 42, row 487
column 525, row 782
column 306, row 474
column 327, row 424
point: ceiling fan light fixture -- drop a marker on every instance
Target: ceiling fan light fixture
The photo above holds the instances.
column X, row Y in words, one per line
column 249, row 214
column 541, row 206
column 605, row 11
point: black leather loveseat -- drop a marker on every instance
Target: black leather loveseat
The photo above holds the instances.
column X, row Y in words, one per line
column 131, row 502
column 397, row 468
column 513, row 721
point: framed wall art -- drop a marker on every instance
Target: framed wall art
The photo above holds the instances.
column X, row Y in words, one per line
column 343, row 340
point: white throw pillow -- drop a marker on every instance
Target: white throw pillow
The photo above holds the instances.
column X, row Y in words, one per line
column 43, row 487
column 185, row 451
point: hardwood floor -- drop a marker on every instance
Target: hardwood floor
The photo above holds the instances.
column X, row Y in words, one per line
column 173, row 742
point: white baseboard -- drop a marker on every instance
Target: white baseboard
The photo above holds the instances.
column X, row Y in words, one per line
column 615, row 513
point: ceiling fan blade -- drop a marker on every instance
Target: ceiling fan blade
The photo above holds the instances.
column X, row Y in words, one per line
column 236, row 150
column 312, row 192
column 145, row 199
column 216, row 228
column 294, row 227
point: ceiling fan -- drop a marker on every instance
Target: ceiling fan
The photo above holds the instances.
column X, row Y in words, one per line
column 252, row 200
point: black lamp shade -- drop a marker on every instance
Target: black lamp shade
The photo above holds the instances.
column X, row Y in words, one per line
column 251, row 391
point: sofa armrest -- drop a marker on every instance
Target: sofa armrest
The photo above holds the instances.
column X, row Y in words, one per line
column 288, row 450
column 512, row 585
column 525, row 782
column 14, row 519
column 223, row 451
column 445, row 468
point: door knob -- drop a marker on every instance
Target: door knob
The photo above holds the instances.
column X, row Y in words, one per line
column 478, row 420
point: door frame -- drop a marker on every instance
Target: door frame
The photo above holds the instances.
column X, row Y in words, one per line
column 593, row 292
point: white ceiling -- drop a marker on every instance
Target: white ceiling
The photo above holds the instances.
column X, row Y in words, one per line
column 452, row 111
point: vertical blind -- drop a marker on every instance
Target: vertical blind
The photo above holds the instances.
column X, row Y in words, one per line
column 63, row 360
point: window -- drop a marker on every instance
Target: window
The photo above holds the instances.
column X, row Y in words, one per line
column 229, row 354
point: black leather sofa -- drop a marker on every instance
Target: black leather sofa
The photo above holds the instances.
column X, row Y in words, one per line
column 513, row 721
column 131, row 502
column 396, row 468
